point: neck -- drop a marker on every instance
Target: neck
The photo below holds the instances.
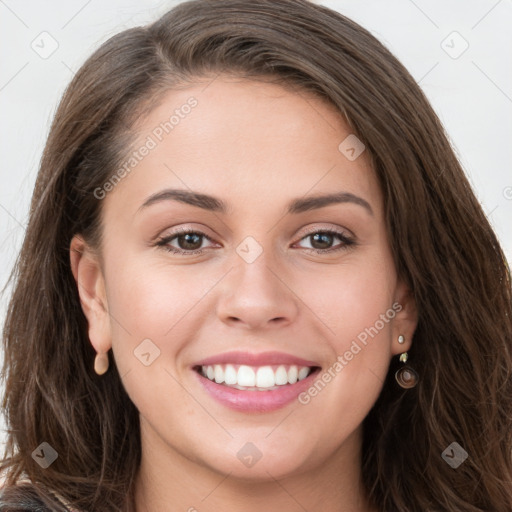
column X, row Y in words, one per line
column 168, row 480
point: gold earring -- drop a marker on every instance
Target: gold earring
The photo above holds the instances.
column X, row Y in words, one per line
column 101, row 363
column 406, row 377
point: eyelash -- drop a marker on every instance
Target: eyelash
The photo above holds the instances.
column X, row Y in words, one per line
column 347, row 242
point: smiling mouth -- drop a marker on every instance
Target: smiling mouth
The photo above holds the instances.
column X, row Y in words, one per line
column 256, row 378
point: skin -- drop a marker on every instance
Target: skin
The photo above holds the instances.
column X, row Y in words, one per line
column 256, row 146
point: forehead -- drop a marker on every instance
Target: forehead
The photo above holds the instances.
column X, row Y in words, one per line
column 237, row 138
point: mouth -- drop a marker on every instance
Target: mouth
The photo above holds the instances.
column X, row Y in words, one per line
column 255, row 389
column 255, row 378
column 255, row 382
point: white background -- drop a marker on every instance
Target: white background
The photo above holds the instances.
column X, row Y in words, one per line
column 472, row 94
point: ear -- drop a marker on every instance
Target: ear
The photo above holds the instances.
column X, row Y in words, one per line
column 406, row 318
column 86, row 268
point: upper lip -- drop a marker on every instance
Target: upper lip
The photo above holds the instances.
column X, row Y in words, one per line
column 255, row 359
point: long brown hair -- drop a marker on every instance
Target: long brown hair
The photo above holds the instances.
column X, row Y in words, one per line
column 443, row 247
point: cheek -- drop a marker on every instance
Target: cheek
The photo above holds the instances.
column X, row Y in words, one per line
column 153, row 317
column 149, row 295
column 352, row 298
column 357, row 311
column 156, row 311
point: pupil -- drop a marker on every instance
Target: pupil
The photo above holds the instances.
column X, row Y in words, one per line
column 322, row 238
column 187, row 237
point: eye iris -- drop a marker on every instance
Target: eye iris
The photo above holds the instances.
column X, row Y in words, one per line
column 187, row 237
column 322, row 238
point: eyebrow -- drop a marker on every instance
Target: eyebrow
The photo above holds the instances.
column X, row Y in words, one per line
column 214, row 204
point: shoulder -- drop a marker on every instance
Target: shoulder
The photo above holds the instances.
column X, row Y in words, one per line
column 20, row 498
column 25, row 498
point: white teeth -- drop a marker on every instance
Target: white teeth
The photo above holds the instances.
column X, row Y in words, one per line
column 292, row 374
column 281, row 376
column 230, row 375
column 261, row 377
column 303, row 373
column 265, row 377
column 246, row 376
column 219, row 373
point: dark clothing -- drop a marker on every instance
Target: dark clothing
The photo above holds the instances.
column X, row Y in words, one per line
column 24, row 498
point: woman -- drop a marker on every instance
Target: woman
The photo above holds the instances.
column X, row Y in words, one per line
column 255, row 277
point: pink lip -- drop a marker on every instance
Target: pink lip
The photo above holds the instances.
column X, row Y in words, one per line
column 251, row 359
column 256, row 401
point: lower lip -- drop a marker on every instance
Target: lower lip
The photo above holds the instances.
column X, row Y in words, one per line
column 256, row 401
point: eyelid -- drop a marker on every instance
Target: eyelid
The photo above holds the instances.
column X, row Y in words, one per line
column 303, row 233
column 310, row 229
column 175, row 231
column 163, row 241
column 348, row 240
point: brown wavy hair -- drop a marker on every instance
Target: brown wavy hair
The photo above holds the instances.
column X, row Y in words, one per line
column 442, row 243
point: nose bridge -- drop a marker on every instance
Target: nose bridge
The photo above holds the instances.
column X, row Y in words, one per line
column 255, row 293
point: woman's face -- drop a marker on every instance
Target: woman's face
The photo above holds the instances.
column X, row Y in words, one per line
column 267, row 271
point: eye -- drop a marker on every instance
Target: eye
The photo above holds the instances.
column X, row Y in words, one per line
column 320, row 239
column 188, row 241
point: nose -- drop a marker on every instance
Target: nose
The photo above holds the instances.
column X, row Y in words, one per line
column 257, row 296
